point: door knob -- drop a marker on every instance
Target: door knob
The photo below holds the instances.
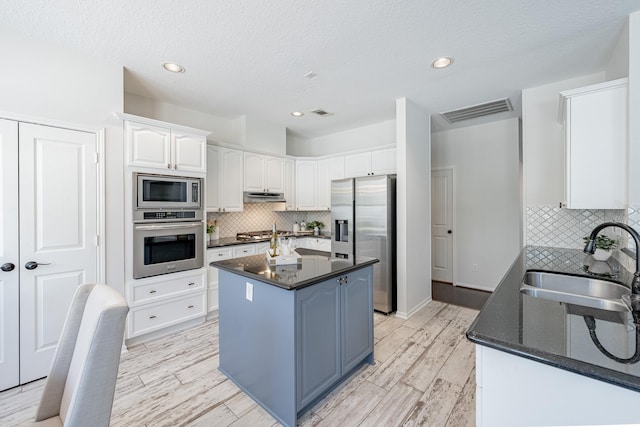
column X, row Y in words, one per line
column 449, row 231
column 32, row 265
column 7, row 266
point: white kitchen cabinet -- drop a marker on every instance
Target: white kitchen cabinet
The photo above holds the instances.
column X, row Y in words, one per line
column 218, row 254
column 290, row 184
column 159, row 145
column 263, row 173
column 162, row 301
column 568, row 397
column 378, row 162
column 313, row 182
column 328, row 170
column 224, row 179
column 306, row 185
column 595, row 128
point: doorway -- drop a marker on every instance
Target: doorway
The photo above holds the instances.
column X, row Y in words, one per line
column 442, row 227
column 49, row 230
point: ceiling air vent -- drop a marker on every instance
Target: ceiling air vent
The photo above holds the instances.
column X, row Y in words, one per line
column 322, row 113
column 480, row 110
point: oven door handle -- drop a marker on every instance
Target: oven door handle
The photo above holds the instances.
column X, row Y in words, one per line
column 171, row 226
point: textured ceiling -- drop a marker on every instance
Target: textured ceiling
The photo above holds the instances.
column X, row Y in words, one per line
column 250, row 56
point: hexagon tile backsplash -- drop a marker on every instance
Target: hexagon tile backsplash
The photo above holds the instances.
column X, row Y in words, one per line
column 565, row 228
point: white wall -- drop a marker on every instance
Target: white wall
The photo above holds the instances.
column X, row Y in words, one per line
column 634, row 111
column 53, row 85
column 265, row 137
column 618, row 65
column 413, row 209
column 361, row 138
column 543, row 146
column 486, row 166
column 222, row 129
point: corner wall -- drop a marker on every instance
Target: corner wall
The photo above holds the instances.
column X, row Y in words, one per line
column 486, row 164
column 413, row 209
column 59, row 86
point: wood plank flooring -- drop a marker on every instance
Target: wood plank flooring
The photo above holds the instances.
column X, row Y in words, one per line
column 424, row 375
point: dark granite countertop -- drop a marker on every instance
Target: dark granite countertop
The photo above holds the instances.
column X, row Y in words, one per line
column 232, row 241
column 315, row 267
column 555, row 333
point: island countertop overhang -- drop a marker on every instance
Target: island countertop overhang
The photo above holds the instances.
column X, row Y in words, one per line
column 315, row 266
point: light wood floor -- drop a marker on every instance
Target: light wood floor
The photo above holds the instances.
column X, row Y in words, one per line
column 424, row 375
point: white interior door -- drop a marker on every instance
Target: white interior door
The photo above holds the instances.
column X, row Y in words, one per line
column 58, row 231
column 442, row 225
column 9, row 256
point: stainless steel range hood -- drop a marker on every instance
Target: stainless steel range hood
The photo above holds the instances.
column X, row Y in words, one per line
column 263, row 197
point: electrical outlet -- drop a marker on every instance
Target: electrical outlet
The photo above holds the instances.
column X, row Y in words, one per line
column 475, row 267
column 249, row 291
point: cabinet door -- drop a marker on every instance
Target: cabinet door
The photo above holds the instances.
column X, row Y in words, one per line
column 9, row 247
column 213, row 180
column 306, row 185
column 596, row 126
column 273, row 174
column 337, row 167
column 253, row 172
column 212, row 275
column 148, row 146
column 357, row 165
column 231, row 167
column 317, row 339
column 383, row 161
column 290, row 184
column 323, row 196
column 189, row 152
column 357, row 318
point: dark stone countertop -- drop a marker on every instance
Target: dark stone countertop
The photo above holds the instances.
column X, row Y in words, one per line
column 315, row 267
column 555, row 333
column 232, row 241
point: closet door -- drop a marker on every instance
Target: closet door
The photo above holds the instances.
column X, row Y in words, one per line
column 58, row 235
column 9, row 262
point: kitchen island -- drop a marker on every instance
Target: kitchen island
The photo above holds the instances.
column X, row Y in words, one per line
column 536, row 362
column 289, row 334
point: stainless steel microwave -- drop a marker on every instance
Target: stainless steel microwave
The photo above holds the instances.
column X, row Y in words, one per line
column 166, row 192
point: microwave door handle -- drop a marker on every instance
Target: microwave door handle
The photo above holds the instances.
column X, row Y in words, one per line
column 172, row 226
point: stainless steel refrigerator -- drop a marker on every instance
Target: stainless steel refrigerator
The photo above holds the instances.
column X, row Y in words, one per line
column 363, row 223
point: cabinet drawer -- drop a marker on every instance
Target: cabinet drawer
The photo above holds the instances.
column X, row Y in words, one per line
column 158, row 316
column 244, row 250
column 219, row 254
column 161, row 289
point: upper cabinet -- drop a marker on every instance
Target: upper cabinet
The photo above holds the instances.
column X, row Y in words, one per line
column 263, row 173
column 313, row 182
column 595, row 128
column 224, row 179
column 159, row 145
column 290, row 184
column 379, row 162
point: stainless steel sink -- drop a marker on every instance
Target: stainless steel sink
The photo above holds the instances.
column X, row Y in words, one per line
column 579, row 290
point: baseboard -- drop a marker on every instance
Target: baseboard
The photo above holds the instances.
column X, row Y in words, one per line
column 404, row 316
column 477, row 287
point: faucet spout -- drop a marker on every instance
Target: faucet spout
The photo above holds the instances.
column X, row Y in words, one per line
column 590, row 248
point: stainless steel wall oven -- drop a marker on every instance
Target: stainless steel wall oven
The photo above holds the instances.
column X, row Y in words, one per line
column 168, row 227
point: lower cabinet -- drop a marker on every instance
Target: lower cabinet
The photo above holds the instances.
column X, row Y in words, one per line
column 334, row 332
column 213, row 255
column 288, row 348
column 162, row 301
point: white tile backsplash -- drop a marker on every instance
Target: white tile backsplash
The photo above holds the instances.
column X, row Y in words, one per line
column 261, row 216
column 565, row 228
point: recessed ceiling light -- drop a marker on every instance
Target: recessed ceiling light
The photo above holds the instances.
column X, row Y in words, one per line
column 297, row 113
column 174, row 68
column 442, row 62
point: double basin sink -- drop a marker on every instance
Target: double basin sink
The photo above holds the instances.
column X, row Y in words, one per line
column 579, row 290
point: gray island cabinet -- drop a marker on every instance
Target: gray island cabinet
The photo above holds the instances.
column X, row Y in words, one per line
column 290, row 334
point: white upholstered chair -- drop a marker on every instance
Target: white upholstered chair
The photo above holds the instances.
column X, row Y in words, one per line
column 80, row 386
